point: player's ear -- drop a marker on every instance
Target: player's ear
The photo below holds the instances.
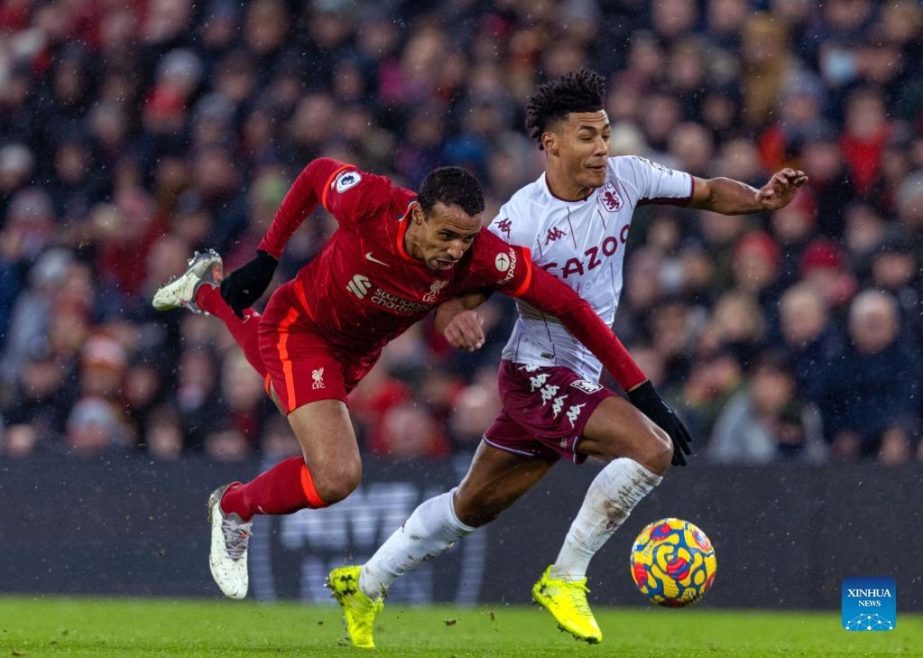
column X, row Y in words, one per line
column 417, row 214
column 550, row 142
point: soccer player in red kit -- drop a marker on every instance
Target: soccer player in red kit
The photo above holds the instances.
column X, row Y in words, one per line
column 395, row 256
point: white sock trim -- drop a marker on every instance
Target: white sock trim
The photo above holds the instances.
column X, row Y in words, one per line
column 463, row 528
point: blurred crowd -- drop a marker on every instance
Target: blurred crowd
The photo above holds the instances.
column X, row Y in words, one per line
column 132, row 133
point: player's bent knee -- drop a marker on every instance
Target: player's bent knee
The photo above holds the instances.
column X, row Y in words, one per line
column 336, row 485
column 658, row 451
column 336, row 490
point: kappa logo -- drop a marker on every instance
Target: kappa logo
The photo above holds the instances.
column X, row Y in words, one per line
column 347, row 180
column 573, row 413
column 359, row 285
column 505, row 225
column 548, row 392
column 538, row 381
column 610, row 197
column 586, row 386
column 655, row 165
column 557, row 405
column 554, row 234
column 318, row 377
column 433, row 294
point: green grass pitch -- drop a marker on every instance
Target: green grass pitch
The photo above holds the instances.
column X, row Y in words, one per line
column 126, row 628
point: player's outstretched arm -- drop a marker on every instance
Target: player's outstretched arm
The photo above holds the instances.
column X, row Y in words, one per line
column 731, row 197
column 244, row 286
column 461, row 325
column 551, row 296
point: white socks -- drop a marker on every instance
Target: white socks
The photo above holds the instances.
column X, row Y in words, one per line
column 612, row 495
column 431, row 530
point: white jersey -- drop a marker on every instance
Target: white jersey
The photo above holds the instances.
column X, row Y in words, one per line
column 582, row 243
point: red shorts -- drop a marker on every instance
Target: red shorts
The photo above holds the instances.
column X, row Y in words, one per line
column 544, row 411
column 303, row 366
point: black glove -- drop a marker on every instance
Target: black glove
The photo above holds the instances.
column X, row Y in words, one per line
column 242, row 287
column 646, row 398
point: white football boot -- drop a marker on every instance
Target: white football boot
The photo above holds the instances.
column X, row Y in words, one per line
column 228, row 555
column 205, row 267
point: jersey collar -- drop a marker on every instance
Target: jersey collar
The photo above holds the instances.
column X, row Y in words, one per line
column 403, row 224
column 544, row 179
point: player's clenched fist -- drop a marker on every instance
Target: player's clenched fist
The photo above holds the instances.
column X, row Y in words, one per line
column 465, row 331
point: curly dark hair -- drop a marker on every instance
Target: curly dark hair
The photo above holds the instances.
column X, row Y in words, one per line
column 582, row 91
column 451, row 186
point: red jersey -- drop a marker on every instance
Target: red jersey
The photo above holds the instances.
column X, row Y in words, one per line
column 363, row 289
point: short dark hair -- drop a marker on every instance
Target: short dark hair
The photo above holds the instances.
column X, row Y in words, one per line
column 452, row 186
column 582, row 91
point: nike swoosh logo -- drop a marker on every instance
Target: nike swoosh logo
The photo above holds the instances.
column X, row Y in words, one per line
column 369, row 256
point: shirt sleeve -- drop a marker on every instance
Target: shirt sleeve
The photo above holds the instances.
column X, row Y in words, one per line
column 659, row 184
column 343, row 190
column 510, row 227
column 498, row 266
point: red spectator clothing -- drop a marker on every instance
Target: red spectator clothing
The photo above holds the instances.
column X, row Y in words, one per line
column 863, row 157
column 124, row 264
column 370, row 403
column 14, row 16
column 773, row 147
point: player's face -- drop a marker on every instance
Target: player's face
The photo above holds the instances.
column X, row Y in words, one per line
column 580, row 143
column 444, row 235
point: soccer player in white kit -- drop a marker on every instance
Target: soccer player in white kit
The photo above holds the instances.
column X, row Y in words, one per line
column 575, row 219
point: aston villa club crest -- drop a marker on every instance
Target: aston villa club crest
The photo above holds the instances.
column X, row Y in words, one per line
column 610, row 197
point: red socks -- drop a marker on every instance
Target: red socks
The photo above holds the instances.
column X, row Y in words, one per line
column 285, row 488
column 245, row 332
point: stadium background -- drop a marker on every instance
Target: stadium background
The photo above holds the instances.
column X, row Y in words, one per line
column 134, row 133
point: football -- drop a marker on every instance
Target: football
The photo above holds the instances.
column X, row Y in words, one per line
column 673, row 562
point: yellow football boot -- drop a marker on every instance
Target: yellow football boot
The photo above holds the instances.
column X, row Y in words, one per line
column 359, row 611
column 566, row 601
